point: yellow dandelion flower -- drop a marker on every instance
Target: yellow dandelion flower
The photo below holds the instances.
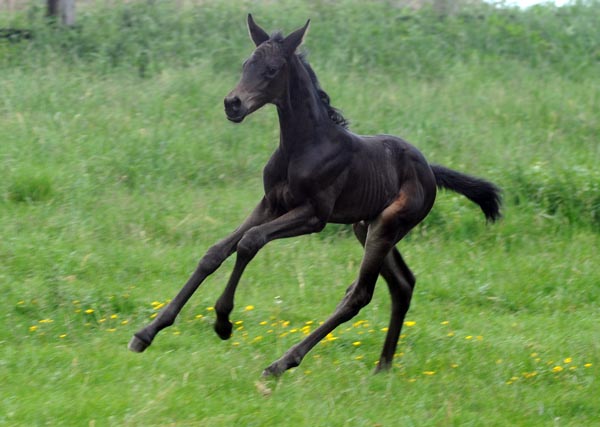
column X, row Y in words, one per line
column 124, row 322
column 557, row 368
column 153, row 315
column 158, row 306
column 568, row 360
column 429, row 373
column 199, row 316
column 534, row 355
column 450, row 334
column 257, row 339
column 309, row 322
column 21, row 302
column 454, row 365
column 330, row 337
column 46, row 321
column 102, row 320
column 445, row 322
column 176, row 332
column 111, row 329
column 587, row 365
column 249, row 308
column 412, row 380
column 263, row 323
column 359, row 357
column 33, row 328
column 469, row 337
column 238, row 322
column 384, row 329
column 89, row 311
column 285, row 323
column 114, row 316
column 356, row 343
column 62, row 336
column 410, row 323
column 210, row 308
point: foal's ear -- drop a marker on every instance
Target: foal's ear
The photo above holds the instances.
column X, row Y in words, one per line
column 291, row 42
column 257, row 34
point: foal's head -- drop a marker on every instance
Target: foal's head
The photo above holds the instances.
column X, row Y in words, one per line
column 265, row 73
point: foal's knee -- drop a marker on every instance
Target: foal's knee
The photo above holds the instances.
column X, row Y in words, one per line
column 212, row 259
column 250, row 244
column 356, row 298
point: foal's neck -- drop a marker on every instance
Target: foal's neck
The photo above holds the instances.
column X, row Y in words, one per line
column 301, row 112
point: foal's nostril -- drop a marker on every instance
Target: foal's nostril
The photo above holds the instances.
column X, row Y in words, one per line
column 233, row 104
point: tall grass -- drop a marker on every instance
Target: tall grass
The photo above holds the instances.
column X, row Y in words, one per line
column 494, row 44
column 149, row 36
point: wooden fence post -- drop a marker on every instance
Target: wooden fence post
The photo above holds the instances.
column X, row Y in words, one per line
column 63, row 9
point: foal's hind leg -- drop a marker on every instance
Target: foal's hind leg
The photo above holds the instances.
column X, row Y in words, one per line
column 394, row 222
column 401, row 283
column 381, row 237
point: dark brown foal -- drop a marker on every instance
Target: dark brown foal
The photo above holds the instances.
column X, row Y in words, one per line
column 321, row 172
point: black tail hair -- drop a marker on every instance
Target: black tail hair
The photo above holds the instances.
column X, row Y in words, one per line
column 480, row 191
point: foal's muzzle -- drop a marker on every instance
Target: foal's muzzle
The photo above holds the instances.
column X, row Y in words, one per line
column 234, row 109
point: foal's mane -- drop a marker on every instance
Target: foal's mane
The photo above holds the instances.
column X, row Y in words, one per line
column 334, row 114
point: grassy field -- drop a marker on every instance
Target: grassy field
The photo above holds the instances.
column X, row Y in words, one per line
column 119, row 170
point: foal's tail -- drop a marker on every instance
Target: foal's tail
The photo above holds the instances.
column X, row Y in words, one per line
column 478, row 190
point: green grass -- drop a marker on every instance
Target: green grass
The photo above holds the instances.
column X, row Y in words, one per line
column 118, row 175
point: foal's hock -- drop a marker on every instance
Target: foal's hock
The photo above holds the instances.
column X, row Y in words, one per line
column 321, row 172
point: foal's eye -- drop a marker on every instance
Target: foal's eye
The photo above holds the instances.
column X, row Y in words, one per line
column 271, row 72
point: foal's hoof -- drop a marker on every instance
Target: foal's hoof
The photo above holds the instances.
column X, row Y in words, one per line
column 223, row 329
column 273, row 371
column 137, row 345
column 278, row 367
column 382, row 367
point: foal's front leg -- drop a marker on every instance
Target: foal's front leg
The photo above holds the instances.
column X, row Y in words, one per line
column 213, row 258
column 298, row 221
